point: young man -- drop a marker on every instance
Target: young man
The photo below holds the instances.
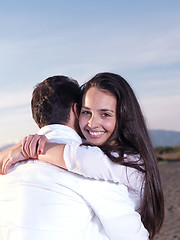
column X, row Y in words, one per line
column 41, row 201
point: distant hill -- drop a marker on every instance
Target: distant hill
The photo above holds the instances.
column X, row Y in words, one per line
column 165, row 138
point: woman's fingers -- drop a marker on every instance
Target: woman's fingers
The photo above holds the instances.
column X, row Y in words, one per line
column 42, row 142
column 33, row 145
column 7, row 165
column 25, row 146
column 13, row 157
column 29, row 146
column 4, row 166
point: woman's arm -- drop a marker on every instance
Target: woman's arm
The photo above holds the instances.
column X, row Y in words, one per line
column 88, row 161
column 32, row 147
column 38, row 147
column 53, row 153
column 91, row 162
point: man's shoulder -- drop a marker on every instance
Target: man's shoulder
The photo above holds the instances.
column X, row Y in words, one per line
column 60, row 133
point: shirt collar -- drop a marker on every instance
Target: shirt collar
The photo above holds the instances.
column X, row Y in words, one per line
column 60, row 133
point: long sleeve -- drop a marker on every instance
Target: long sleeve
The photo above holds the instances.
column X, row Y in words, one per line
column 91, row 162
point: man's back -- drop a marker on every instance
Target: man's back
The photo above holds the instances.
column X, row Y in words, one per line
column 38, row 205
column 41, row 201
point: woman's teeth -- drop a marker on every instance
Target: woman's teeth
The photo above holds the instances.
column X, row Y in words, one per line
column 95, row 133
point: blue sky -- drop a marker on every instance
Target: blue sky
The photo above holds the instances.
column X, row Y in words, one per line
column 139, row 40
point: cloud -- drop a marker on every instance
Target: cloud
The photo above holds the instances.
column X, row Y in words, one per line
column 162, row 112
column 16, row 124
column 77, row 52
column 14, row 99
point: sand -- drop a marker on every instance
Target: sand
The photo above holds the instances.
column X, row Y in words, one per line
column 170, row 176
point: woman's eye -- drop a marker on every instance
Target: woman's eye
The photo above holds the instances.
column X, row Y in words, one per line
column 106, row 115
column 85, row 112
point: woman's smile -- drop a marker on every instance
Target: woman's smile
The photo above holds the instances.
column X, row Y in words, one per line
column 95, row 134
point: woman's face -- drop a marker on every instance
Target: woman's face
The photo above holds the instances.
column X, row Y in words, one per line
column 97, row 118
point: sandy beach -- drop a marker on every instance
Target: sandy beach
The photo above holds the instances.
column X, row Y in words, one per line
column 170, row 176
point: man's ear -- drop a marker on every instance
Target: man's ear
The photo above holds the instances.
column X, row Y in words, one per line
column 75, row 110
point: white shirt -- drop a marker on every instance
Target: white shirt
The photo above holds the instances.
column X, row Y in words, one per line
column 91, row 162
column 41, row 201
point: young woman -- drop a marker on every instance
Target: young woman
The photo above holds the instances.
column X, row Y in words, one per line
column 110, row 117
column 119, row 129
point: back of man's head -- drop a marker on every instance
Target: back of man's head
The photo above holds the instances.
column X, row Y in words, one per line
column 52, row 100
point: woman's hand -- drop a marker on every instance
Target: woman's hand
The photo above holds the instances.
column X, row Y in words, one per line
column 30, row 147
column 38, row 147
column 13, row 156
column 33, row 145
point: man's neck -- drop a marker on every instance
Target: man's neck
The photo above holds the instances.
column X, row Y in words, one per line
column 73, row 122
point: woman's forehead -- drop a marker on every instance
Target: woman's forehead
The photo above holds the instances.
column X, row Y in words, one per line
column 94, row 97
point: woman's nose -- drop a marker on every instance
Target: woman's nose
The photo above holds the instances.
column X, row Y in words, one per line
column 92, row 123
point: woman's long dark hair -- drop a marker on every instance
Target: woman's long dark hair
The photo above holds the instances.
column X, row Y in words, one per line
column 131, row 137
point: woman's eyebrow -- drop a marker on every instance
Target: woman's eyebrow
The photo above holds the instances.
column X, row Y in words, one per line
column 106, row 110
column 85, row 107
column 100, row 110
